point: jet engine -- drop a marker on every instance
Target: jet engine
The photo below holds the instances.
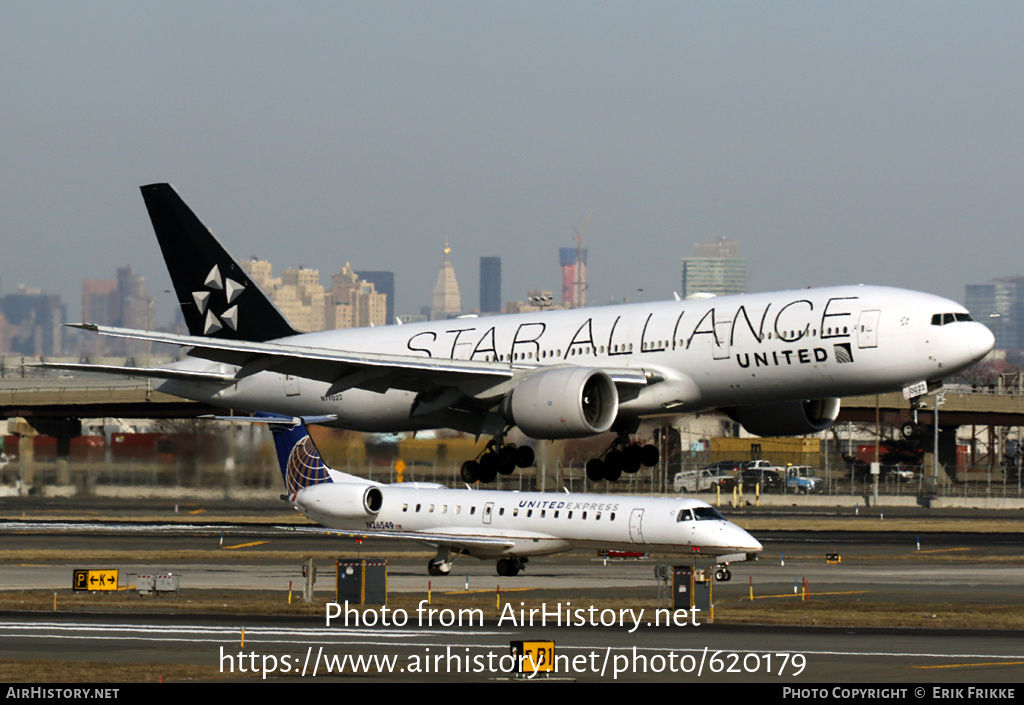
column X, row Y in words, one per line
column 342, row 500
column 787, row 418
column 564, row 402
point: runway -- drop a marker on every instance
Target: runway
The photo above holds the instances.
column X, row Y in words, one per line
column 964, row 569
column 719, row 654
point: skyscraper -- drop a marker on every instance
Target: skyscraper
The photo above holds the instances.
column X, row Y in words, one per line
column 383, row 283
column 490, row 285
column 574, row 276
column 715, row 268
column 34, row 322
column 1000, row 306
column 447, row 303
column 121, row 302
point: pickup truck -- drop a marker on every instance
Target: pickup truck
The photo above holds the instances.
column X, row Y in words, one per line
column 801, row 478
column 763, row 473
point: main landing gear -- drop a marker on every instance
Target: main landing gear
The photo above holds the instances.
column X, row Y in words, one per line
column 441, row 564
column 622, row 456
column 508, row 567
column 498, row 458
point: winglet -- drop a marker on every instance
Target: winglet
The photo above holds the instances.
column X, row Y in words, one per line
column 217, row 297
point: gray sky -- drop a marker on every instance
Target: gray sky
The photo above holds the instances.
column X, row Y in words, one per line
column 839, row 142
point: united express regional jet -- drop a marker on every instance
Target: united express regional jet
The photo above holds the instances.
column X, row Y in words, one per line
column 492, row 524
column 777, row 363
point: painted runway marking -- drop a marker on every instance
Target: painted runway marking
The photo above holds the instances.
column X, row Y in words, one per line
column 245, row 545
column 971, row 665
column 345, row 638
column 813, row 594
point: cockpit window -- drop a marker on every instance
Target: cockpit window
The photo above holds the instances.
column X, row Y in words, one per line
column 699, row 514
column 703, row 513
column 941, row 319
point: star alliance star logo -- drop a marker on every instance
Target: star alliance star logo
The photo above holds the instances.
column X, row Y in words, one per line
column 231, row 288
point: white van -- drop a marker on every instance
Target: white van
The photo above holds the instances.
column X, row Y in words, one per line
column 694, row 481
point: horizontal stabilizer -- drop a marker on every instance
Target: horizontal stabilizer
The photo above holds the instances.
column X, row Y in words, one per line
column 127, row 371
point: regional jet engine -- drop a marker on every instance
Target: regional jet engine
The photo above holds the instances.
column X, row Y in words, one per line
column 341, row 500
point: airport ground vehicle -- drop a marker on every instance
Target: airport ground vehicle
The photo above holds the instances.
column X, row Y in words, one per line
column 803, row 479
column 768, row 479
column 703, row 480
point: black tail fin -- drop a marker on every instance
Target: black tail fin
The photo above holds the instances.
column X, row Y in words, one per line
column 217, row 297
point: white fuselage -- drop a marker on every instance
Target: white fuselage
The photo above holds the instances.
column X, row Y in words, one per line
column 535, row 523
column 708, row 353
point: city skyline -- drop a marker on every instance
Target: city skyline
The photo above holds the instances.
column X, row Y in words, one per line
column 126, row 301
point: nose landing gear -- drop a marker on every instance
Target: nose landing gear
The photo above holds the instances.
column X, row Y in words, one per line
column 441, row 564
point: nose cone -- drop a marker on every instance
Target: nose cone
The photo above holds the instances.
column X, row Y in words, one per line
column 980, row 341
column 737, row 538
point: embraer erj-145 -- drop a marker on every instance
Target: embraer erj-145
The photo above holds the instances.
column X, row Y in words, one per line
column 493, row 524
column 777, row 363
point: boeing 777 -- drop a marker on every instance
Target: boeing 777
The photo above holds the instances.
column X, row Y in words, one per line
column 493, row 524
column 777, row 363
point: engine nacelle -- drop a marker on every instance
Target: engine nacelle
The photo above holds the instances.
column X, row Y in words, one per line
column 787, row 418
column 342, row 500
column 564, row 402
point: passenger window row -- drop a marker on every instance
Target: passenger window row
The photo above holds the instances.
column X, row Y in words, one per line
column 443, row 509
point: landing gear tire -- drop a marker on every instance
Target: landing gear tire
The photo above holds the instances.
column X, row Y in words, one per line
column 507, row 458
column 525, row 456
column 649, row 455
column 723, row 575
column 439, row 568
column 508, row 567
column 595, row 469
column 613, row 472
column 470, row 471
column 633, row 458
column 614, row 464
column 489, row 466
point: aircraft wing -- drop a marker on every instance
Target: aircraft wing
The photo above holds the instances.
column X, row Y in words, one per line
column 449, row 540
column 342, row 369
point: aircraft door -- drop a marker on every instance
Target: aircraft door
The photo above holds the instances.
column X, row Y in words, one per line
column 488, row 512
column 635, row 535
column 867, row 329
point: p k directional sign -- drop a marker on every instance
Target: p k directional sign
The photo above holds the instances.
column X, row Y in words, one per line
column 94, row 580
